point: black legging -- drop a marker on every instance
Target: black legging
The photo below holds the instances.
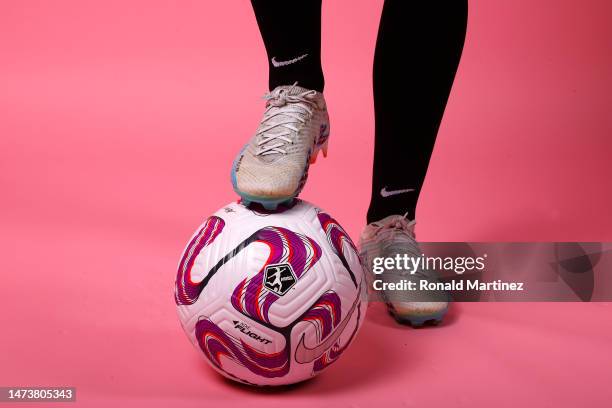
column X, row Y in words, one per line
column 418, row 49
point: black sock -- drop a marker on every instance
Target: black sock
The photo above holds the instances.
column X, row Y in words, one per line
column 291, row 31
column 417, row 53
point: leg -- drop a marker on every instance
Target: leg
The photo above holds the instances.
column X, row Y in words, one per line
column 272, row 167
column 417, row 53
column 291, row 31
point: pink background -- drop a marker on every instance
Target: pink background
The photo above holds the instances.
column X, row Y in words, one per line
column 118, row 124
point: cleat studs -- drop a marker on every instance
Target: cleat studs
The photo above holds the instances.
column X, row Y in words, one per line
column 270, row 206
column 267, row 206
column 288, row 202
column 313, row 158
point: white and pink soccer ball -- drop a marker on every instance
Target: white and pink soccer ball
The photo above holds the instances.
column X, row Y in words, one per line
column 270, row 298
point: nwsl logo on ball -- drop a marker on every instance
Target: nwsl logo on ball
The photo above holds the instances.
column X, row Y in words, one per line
column 279, row 278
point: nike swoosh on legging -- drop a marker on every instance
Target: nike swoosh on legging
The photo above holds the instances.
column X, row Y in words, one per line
column 304, row 355
column 388, row 193
column 287, row 62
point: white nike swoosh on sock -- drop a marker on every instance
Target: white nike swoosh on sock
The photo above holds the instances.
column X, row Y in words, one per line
column 388, row 193
column 288, row 62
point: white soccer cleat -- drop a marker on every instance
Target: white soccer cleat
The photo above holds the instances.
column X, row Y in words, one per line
column 273, row 166
column 391, row 236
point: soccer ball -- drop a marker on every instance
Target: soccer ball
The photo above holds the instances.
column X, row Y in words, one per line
column 270, row 298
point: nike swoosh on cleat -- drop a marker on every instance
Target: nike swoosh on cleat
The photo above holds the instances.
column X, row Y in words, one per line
column 388, row 193
column 288, row 62
column 305, row 355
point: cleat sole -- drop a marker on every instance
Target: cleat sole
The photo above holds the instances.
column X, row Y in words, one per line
column 419, row 321
column 268, row 205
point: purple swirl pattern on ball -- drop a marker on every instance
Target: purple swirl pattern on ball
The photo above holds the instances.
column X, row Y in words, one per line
column 325, row 315
column 337, row 236
column 186, row 292
column 251, row 297
column 216, row 343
